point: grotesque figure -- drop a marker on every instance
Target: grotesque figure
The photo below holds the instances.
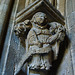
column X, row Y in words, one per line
column 38, row 39
column 43, row 39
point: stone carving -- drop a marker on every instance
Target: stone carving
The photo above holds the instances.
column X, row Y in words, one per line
column 43, row 40
column 20, row 28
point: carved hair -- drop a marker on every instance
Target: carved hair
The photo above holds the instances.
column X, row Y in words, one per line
column 37, row 15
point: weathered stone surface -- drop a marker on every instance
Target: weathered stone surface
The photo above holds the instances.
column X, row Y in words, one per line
column 69, row 7
column 5, row 68
column 5, row 10
column 42, row 39
column 37, row 6
column 14, row 49
column 21, row 5
column 61, row 6
column 71, row 25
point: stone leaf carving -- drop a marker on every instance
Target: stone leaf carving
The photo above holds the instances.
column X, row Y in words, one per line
column 42, row 39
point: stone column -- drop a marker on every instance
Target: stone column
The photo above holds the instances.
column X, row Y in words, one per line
column 61, row 6
column 27, row 3
column 31, row 1
column 70, row 16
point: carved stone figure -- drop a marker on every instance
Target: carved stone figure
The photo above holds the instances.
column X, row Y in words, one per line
column 42, row 41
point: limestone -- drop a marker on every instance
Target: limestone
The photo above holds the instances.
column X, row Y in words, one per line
column 40, row 42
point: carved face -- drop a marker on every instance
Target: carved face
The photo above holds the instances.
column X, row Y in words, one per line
column 40, row 19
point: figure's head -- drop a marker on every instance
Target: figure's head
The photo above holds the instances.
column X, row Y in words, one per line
column 40, row 18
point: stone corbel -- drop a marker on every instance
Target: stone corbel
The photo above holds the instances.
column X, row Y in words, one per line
column 46, row 31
